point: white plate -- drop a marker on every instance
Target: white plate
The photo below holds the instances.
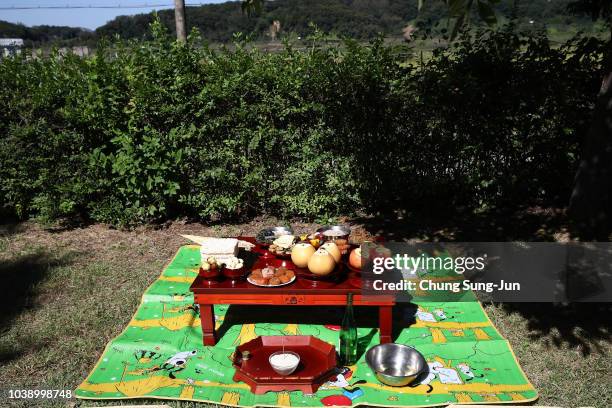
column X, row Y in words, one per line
column 269, row 286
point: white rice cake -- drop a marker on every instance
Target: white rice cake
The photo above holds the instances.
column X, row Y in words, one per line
column 219, row 247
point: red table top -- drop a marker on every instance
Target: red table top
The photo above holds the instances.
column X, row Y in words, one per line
column 343, row 281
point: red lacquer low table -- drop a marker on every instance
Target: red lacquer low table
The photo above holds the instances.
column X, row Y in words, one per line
column 302, row 292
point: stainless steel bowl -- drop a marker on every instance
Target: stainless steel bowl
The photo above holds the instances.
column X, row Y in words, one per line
column 267, row 235
column 395, row 364
column 339, row 232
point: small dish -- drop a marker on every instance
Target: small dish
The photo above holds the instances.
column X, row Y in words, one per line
column 252, row 282
column 334, row 232
column 267, row 235
column 338, row 234
column 211, row 273
column 233, row 273
column 284, row 362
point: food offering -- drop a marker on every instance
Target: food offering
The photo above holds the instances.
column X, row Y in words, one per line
column 317, row 258
column 338, row 234
column 355, row 262
column 301, row 253
column 284, row 362
column 333, row 250
column 343, row 245
column 271, row 276
column 267, row 236
column 209, row 268
column 222, row 249
column 282, row 246
column 315, row 239
column 233, row 268
column 321, row 263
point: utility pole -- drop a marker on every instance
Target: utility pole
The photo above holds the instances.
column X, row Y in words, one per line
column 179, row 17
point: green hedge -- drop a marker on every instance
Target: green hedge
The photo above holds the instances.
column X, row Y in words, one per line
column 147, row 131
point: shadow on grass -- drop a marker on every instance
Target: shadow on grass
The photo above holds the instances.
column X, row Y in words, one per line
column 576, row 325
column 526, row 224
column 10, row 228
column 330, row 317
column 20, row 276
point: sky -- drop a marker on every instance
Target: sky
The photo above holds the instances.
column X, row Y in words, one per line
column 80, row 17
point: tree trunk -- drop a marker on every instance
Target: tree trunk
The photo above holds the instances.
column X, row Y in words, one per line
column 591, row 201
column 179, row 18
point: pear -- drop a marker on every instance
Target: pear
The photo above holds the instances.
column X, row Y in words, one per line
column 301, row 253
column 321, row 262
column 333, row 250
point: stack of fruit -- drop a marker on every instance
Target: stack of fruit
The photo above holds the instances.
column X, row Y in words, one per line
column 320, row 261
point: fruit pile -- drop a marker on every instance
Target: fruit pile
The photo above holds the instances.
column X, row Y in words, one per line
column 210, row 263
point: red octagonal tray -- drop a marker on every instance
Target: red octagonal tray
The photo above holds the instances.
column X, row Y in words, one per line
column 317, row 364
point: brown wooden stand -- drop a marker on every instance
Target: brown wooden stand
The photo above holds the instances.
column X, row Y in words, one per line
column 316, row 367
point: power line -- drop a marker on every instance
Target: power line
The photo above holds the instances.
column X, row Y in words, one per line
column 117, row 6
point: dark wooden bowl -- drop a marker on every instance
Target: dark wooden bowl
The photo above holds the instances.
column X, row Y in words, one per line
column 212, row 273
column 233, row 274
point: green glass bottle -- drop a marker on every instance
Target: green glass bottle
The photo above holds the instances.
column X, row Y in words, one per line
column 348, row 335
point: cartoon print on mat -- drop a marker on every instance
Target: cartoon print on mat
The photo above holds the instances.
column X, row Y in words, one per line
column 292, row 330
column 468, row 371
column 180, row 297
column 439, row 370
column 171, row 366
column 146, row 356
column 150, row 376
column 350, row 391
column 438, row 315
column 336, row 401
column 172, row 318
column 341, row 380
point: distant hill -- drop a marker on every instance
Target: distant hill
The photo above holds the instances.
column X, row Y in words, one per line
column 43, row 34
column 360, row 19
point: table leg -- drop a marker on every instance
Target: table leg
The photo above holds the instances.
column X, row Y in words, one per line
column 207, row 317
column 385, row 323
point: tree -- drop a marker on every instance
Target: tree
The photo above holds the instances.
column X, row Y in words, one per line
column 590, row 205
column 591, row 200
column 252, row 6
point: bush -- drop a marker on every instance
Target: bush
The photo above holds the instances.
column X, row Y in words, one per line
column 146, row 131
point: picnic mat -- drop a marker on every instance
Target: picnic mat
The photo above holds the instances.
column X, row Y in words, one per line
column 160, row 355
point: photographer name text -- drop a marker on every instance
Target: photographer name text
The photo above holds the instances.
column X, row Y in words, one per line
column 436, row 286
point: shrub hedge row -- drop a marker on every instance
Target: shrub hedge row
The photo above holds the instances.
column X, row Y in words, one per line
column 146, row 131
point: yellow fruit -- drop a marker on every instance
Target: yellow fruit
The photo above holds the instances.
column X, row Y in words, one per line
column 333, row 250
column 321, row 262
column 355, row 258
column 301, row 253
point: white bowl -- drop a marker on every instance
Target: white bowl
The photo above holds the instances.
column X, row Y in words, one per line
column 284, row 367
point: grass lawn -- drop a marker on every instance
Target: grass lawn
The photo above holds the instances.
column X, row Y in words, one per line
column 68, row 292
